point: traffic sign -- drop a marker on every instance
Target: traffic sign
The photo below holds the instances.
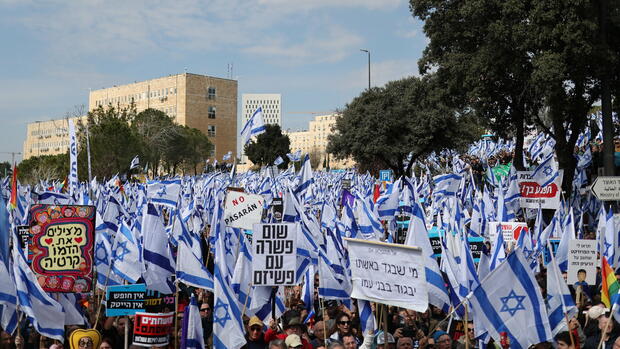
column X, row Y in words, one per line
column 385, row 175
column 606, row 188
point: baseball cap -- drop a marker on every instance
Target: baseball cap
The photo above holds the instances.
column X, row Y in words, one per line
column 381, row 338
column 438, row 334
column 596, row 311
column 254, row 320
column 292, row 341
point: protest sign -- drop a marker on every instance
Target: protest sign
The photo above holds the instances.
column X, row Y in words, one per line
column 156, row 302
column 274, row 261
column 62, row 247
column 388, row 273
column 582, row 262
column 533, row 196
column 433, row 236
column 24, row 236
column 152, row 329
column 242, row 210
column 554, row 247
column 125, row 299
column 510, row 230
column 277, row 206
column 475, row 246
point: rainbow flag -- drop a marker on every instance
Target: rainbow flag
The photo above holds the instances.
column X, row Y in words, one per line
column 13, row 200
column 609, row 291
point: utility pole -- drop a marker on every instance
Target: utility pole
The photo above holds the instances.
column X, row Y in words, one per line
column 368, row 52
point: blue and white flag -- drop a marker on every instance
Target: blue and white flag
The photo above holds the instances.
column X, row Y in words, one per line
column 126, row 261
column 74, row 314
column 367, row 318
column 253, row 127
column 227, row 156
column 278, row 161
column 387, row 205
column 546, row 172
column 446, row 185
column 509, row 300
column 164, row 192
column 191, row 270
column 559, row 299
column 156, row 253
column 73, row 171
column 135, row 162
column 8, row 300
column 306, row 175
column 44, row 313
column 294, row 156
column 193, row 336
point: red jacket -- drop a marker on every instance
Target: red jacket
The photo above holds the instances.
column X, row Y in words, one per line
column 271, row 335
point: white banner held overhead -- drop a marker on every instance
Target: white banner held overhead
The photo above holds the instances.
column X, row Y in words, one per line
column 274, row 261
column 388, row 273
column 242, row 210
column 533, row 195
column 582, row 262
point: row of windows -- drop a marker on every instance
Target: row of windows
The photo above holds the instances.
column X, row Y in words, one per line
column 50, row 144
column 264, row 102
column 58, row 131
column 161, row 93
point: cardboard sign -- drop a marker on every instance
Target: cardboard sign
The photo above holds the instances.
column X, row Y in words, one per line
column 152, row 329
column 155, row 302
column 533, row 196
column 24, row 236
column 125, row 300
column 62, row 247
column 242, row 210
column 388, row 273
column 277, row 205
column 475, row 246
column 510, row 230
column 582, row 262
column 433, row 236
column 274, row 262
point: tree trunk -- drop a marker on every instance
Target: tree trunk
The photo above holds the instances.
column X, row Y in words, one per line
column 517, row 160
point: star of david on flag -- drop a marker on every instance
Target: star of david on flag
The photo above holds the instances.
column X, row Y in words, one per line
column 509, row 300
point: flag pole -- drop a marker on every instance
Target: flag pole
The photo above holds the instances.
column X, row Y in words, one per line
column 465, row 322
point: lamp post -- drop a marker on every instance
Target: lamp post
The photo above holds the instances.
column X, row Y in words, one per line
column 368, row 52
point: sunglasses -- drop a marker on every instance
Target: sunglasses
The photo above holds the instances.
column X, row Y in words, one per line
column 255, row 329
column 344, row 323
column 205, row 309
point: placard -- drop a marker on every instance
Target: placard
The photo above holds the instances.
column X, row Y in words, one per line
column 156, row 302
column 582, row 262
column 533, row 196
column 475, row 246
column 554, row 247
column 152, row 329
column 388, row 273
column 510, row 230
column 125, row 299
column 278, row 208
column 274, row 261
column 23, row 231
column 435, row 240
column 242, row 210
column 62, row 247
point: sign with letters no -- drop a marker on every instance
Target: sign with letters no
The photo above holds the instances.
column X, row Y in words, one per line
column 62, row 247
column 275, row 254
column 388, row 273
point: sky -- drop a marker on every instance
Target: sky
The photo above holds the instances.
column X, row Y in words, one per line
column 53, row 52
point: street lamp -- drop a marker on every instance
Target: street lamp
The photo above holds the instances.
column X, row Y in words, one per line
column 368, row 52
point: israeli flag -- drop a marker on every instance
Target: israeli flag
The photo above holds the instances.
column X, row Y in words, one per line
column 227, row 156
column 387, row 205
column 156, row 253
column 135, row 162
column 367, row 319
column 559, row 299
column 546, row 172
column 73, row 312
column 42, row 310
column 294, row 156
column 8, row 300
column 306, row 177
column 126, row 255
column 509, row 300
column 73, row 153
column 191, row 270
column 253, row 127
column 278, row 161
column 164, row 192
column 194, row 335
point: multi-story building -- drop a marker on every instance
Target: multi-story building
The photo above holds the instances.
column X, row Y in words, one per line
column 49, row 137
column 270, row 102
column 203, row 102
column 314, row 141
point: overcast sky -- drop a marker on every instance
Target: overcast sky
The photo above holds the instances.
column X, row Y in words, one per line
column 53, row 52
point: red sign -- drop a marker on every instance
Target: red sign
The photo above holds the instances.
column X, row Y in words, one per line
column 152, row 329
column 534, row 196
column 62, row 247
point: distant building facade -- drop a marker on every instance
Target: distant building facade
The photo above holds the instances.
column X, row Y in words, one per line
column 203, row 102
column 49, row 137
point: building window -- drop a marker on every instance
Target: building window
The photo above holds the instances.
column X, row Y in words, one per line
column 211, row 131
column 212, row 152
column 211, row 112
column 211, row 93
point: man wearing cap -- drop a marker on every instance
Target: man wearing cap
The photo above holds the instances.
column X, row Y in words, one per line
column 442, row 340
column 255, row 336
column 293, row 341
column 291, row 321
column 381, row 341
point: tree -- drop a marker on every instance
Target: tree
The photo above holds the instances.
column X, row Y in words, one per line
column 6, row 169
column 113, row 144
column 44, row 167
column 384, row 125
column 154, row 129
column 268, row 146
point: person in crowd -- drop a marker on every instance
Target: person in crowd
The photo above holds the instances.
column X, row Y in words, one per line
column 293, row 341
column 404, row 343
column 255, row 335
column 206, row 316
column 277, row 344
column 342, row 328
column 442, row 340
column 318, row 334
column 106, row 343
column 349, row 341
column 380, row 340
column 617, row 343
column 470, row 337
column 335, row 345
column 291, row 325
column 609, row 331
column 562, row 341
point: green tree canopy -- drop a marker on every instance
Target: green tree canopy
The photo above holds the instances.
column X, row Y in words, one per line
column 268, row 146
column 44, row 167
column 385, row 124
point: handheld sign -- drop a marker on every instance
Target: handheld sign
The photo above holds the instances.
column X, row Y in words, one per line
column 582, row 262
column 533, row 195
column 275, row 254
column 606, row 188
column 242, row 210
column 388, row 273
column 510, row 230
column 125, row 300
column 152, row 329
column 62, row 247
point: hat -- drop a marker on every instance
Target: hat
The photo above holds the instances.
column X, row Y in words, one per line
column 438, row 334
column 291, row 318
column 255, row 321
column 596, row 311
column 292, row 341
column 380, row 338
column 91, row 335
